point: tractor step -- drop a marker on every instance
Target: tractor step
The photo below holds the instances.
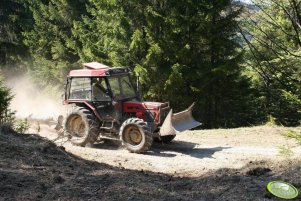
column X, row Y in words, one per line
column 102, row 137
column 108, row 129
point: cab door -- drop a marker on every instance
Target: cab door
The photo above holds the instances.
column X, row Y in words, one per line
column 102, row 99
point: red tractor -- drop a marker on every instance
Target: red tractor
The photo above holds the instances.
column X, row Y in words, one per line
column 105, row 104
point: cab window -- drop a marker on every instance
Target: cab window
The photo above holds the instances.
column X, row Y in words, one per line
column 80, row 88
column 122, row 87
column 100, row 90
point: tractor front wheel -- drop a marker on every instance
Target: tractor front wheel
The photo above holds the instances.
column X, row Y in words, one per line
column 135, row 135
column 82, row 126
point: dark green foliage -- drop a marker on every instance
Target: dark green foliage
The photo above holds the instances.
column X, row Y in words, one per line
column 6, row 116
column 183, row 51
column 274, row 53
column 14, row 19
column 51, row 41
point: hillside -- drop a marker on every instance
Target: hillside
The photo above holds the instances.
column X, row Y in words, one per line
column 34, row 168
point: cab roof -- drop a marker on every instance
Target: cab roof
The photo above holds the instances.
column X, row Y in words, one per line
column 95, row 69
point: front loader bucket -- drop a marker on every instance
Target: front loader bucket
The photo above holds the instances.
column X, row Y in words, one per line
column 179, row 122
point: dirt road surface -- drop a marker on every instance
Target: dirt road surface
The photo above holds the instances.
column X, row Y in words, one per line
column 206, row 165
column 192, row 153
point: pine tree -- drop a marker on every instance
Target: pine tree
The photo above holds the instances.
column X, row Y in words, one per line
column 6, row 116
column 51, row 40
column 182, row 50
column 272, row 36
column 14, row 19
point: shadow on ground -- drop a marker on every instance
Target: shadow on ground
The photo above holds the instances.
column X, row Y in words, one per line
column 166, row 150
column 33, row 168
column 187, row 148
column 106, row 144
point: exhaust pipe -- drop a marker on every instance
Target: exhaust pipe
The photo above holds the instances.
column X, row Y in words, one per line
column 179, row 122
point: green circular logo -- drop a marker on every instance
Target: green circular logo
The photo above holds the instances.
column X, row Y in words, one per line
column 282, row 190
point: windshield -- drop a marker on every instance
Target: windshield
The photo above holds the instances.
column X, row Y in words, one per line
column 122, row 87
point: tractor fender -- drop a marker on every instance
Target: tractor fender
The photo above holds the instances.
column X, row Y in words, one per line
column 89, row 106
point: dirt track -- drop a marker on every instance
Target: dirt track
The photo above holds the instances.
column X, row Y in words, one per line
column 193, row 153
column 193, row 167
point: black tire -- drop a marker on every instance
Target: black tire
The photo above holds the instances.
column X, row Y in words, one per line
column 82, row 126
column 135, row 135
column 165, row 139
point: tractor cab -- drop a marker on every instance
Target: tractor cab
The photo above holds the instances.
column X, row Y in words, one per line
column 102, row 88
column 100, row 84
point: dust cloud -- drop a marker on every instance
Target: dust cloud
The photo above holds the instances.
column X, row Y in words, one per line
column 31, row 102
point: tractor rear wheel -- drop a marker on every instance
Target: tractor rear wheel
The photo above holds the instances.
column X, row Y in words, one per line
column 135, row 135
column 165, row 139
column 82, row 126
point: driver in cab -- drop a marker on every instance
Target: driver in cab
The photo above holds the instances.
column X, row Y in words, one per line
column 100, row 92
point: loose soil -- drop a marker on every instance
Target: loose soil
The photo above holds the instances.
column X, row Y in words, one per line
column 192, row 153
column 223, row 164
